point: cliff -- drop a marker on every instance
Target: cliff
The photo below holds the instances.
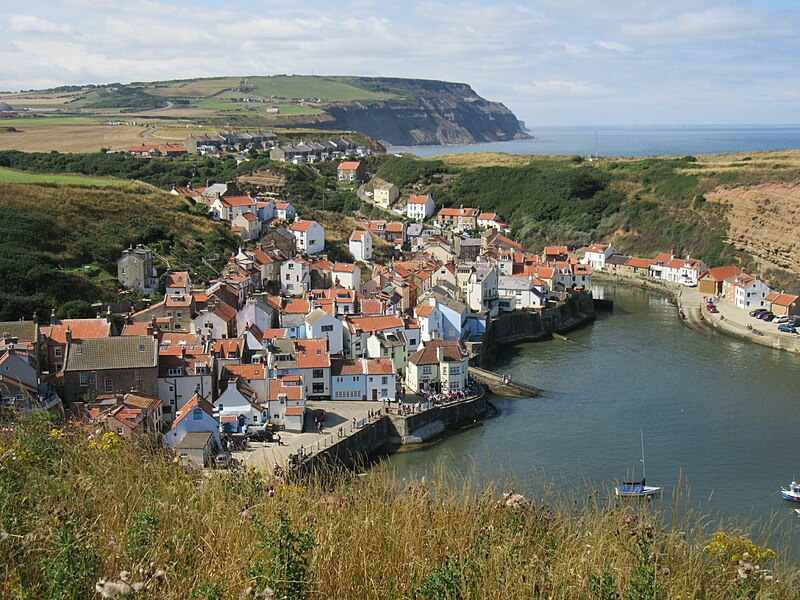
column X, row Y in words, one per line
column 431, row 112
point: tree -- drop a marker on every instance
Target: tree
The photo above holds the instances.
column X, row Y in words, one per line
column 76, row 309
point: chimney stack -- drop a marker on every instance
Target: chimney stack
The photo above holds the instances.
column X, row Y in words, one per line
column 68, row 335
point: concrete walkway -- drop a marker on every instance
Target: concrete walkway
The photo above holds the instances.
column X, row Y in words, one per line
column 734, row 321
column 339, row 420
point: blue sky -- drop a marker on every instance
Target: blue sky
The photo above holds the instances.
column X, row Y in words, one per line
column 552, row 62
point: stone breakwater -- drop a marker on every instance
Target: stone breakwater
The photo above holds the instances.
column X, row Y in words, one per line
column 390, row 431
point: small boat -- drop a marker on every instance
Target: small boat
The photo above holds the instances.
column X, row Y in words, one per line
column 793, row 493
column 797, row 511
column 637, row 489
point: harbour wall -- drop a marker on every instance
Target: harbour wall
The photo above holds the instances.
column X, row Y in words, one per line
column 525, row 326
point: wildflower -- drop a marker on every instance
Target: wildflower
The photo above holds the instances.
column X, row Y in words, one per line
column 112, row 543
column 245, row 513
column 57, row 434
column 665, row 571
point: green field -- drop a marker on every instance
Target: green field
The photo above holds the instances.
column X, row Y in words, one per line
column 12, row 176
column 33, row 121
column 304, row 86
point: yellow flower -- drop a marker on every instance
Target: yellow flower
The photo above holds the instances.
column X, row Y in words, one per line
column 57, row 434
column 109, row 442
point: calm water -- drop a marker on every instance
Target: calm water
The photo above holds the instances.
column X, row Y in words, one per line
column 634, row 141
column 723, row 412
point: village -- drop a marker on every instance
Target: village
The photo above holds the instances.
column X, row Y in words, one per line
column 286, row 343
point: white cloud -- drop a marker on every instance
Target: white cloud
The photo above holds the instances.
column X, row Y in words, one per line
column 560, row 88
column 32, row 24
column 613, row 46
column 713, row 22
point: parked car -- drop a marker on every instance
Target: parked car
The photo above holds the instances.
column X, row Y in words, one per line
column 781, row 319
column 795, row 322
column 786, row 328
column 712, row 308
column 223, row 460
column 767, row 316
column 758, row 312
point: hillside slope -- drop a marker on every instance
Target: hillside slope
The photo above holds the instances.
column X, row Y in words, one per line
column 60, row 243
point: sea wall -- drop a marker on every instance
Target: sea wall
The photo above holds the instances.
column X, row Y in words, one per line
column 525, row 326
column 427, row 425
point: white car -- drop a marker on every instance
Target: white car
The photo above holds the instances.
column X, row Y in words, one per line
column 781, row 319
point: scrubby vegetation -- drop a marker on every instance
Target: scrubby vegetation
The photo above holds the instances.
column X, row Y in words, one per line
column 77, row 508
column 50, row 232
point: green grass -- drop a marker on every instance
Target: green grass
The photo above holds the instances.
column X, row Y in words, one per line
column 304, row 86
column 12, row 176
column 26, row 122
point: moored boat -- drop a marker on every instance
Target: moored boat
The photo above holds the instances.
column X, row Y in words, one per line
column 792, row 494
column 637, row 489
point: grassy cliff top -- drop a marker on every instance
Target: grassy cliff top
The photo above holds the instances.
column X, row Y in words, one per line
column 76, row 507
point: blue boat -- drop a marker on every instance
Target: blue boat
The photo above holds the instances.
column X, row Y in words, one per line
column 637, row 489
column 793, row 493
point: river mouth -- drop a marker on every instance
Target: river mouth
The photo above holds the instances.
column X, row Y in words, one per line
column 716, row 412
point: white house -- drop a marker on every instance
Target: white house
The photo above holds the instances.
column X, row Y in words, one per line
column 285, row 211
column 380, row 379
column 247, row 226
column 287, row 402
column 309, row 236
column 522, row 292
column 320, row 325
column 361, row 245
column 347, row 275
column 596, row 255
column 747, row 292
column 196, row 416
column 180, row 377
column 295, row 276
column 480, row 291
column 492, row 221
column 420, row 207
column 239, row 406
column 430, row 320
column 314, row 364
column 228, row 208
column 439, row 366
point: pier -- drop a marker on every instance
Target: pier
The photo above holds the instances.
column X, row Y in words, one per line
column 503, row 385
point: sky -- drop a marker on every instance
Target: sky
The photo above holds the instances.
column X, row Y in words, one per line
column 552, row 62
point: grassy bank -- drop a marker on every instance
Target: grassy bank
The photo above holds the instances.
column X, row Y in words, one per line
column 74, row 509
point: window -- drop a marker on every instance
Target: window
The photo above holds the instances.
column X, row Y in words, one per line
column 169, row 313
column 288, row 277
column 119, row 430
column 317, row 373
column 178, row 314
column 197, row 414
column 57, row 352
column 340, row 380
column 84, row 379
column 108, row 385
column 59, row 366
column 175, row 372
column 327, row 328
column 384, row 380
column 426, row 370
column 455, row 370
column 291, row 266
column 318, row 388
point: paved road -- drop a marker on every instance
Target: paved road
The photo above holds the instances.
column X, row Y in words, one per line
column 338, row 422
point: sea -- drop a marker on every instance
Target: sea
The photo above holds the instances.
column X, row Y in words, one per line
column 719, row 417
column 632, row 141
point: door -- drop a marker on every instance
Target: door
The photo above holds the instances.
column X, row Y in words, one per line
column 374, row 395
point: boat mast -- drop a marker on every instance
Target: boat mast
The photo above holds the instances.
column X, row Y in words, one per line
column 644, row 475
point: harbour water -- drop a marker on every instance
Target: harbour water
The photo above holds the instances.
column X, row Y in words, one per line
column 722, row 412
column 634, row 141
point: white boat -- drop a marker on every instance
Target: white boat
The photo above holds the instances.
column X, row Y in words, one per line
column 797, row 511
column 637, row 489
column 793, row 493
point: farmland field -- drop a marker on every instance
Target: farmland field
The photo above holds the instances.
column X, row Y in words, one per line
column 71, row 138
column 201, row 88
column 12, row 176
column 300, row 86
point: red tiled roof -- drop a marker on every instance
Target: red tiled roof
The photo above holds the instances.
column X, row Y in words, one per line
column 782, row 299
column 301, row 225
column 346, row 366
column 418, row 199
column 427, row 354
column 600, row 248
column 249, row 372
column 294, row 411
column 293, row 392
column 358, row 235
column 237, row 201
column 313, row 354
column 196, row 401
column 458, row 212
column 379, row 366
column 81, row 329
column 640, row 263
column 372, row 324
column 349, row 165
column 721, row 273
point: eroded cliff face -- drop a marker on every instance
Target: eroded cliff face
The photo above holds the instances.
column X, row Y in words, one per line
column 764, row 222
column 437, row 113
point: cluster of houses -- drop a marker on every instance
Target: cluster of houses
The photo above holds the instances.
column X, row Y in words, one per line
column 155, row 150
column 283, row 325
column 727, row 283
column 311, row 152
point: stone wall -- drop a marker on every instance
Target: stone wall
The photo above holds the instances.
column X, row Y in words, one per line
column 424, row 426
column 525, row 326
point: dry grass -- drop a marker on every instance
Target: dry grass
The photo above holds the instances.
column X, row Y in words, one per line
column 373, row 536
column 472, row 160
column 201, row 88
column 70, row 138
column 38, row 99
